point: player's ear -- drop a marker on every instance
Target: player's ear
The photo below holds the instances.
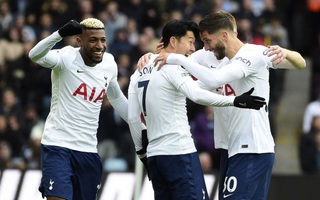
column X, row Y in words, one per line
column 79, row 41
column 173, row 41
column 224, row 35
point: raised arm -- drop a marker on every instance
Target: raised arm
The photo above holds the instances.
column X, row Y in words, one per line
column 286, row 59
column 41, row 53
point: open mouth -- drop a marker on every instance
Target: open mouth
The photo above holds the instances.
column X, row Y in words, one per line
column 98, row 54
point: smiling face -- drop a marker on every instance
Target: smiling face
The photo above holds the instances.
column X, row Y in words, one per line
column 93, row 44
column 213, row 43
column 179, row 36
column 215, row 31
column 185, row 45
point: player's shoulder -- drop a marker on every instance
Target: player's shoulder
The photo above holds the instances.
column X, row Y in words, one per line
column 256, row 49
column 134, row 77
column 200, row 52
column 148, row 68
column 252, row 52
column 151, row 68
column 253, row 55
column 67, row 55
column 172, row 71
column 68, row 51
column 173, row 68
column 109, row 61
column 205, row 58
column 108, row 56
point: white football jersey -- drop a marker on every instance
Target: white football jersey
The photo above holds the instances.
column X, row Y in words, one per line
column 162, row 100
column 77, row 93
column 208, row 59
column 248, row 130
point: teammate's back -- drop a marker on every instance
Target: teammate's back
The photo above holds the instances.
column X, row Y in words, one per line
column 164, row 108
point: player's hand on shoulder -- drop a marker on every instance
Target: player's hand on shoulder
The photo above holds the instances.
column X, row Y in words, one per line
column 143, row 60
column 278, row 53
column 71, row 28
column 161, row 59
column 246, row 100
column 160, row 46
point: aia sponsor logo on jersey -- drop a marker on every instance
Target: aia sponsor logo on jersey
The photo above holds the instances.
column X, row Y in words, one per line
column 83, row 90
column 226, row 90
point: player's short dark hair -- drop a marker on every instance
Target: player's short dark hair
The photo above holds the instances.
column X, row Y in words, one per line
column 178, row 29
column 216, row 21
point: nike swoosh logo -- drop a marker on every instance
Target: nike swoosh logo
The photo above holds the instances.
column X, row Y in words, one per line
column 226, row 196
column 242, row 104
column 80, row 71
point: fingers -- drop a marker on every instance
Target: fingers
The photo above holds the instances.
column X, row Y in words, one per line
column 256, row 108
column 257, row 98
column 161, row 64
column 146, row 58
column 159, row 46
column 257, row 103
column 156, row 61
column 70, row 28
column 143, row 61
column 250, row 91
column 277, row 53
column 278, row 58
column 161, row 60
column 246, row 100
column 140, row 64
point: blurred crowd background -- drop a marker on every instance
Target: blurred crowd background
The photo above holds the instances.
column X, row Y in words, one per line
column 133, row 28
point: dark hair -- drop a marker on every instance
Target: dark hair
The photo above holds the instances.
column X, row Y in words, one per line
column 216, row 21
column 178, row 29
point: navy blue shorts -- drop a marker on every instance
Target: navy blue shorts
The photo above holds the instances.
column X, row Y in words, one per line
column 248, row 176
column 69, row 174
column 223, row 171
column 177, row 177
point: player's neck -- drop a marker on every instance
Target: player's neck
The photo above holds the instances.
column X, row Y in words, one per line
column 233, row 48
column 86, row 60
column 168, row 50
